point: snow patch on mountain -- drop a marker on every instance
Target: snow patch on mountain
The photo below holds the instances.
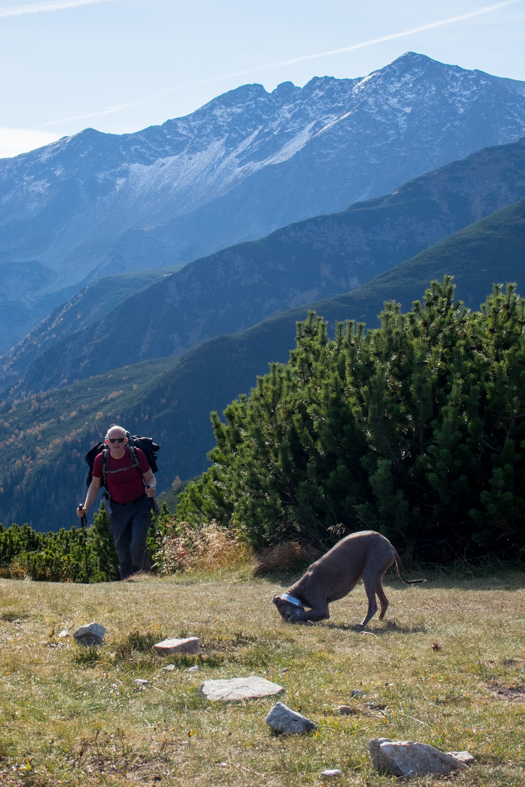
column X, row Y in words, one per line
column 244, row 164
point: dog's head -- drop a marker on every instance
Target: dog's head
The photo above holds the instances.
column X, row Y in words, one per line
column 287, row 609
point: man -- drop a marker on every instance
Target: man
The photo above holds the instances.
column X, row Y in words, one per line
column 130, row 491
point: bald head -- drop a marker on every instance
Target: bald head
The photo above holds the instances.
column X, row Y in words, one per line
column 115, row 431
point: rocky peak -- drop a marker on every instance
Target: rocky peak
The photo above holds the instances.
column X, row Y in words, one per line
column 243, row 165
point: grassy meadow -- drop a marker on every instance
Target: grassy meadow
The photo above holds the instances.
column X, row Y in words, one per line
column 447, row 667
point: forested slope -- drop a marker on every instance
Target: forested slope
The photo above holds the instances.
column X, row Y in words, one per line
column 41, row 486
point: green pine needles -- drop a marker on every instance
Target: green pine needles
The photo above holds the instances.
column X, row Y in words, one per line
column 76, row 555
column 416, row 429
column 81, row 554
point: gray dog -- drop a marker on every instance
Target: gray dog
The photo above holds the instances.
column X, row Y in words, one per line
column 366, row 554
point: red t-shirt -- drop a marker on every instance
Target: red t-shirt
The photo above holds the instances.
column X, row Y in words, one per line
column 128, row 484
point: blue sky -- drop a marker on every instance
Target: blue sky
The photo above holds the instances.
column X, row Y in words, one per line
column 123, row 65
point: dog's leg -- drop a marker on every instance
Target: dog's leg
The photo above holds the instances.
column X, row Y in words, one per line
column 382, row 598
column 312, row 615
column 370, row 588
column 319, row 611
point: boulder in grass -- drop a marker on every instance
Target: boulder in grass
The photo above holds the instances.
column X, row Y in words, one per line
column 185, row 647
column 405, row 758
column 90, row 635
column 236, row 689
column 283, row 719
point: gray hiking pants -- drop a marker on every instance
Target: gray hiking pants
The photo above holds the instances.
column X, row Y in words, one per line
column 129, row 525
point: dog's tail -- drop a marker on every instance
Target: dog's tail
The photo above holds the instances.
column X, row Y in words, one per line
column 400, row 573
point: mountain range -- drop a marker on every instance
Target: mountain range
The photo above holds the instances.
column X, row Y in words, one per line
column 240, row 167
column 240, row 286
column 167, row 269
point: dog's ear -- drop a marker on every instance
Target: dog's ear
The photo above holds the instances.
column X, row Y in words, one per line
column 276, row 599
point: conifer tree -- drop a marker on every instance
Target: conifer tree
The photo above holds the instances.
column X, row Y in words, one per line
column 416, row 429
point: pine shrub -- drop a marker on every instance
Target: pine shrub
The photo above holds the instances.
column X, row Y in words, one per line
column 416, row 429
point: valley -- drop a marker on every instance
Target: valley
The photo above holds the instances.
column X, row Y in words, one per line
column 172, row 399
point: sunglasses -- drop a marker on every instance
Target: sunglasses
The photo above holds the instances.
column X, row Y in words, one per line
column 116, row 439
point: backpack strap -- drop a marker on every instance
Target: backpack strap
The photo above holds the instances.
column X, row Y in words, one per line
column 134, row 458
column 104, row 467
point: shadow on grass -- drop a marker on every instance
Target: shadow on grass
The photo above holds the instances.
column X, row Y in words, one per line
column 386, row 627
column 13, row 616
column 136, row 653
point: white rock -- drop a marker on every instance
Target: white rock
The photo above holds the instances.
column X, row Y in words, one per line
column 283, row 719
column 463, row 756
column 239, row 689
column 141, row 682
column 92, row 634
column 188, row 646
column 168, row 668
column 405, row 758
column 64, row 634
column 195, row 668
column 330, row 774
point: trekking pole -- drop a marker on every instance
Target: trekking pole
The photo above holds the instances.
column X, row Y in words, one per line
column 83, row 519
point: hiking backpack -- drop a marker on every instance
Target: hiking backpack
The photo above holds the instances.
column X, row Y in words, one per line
column 146, row 445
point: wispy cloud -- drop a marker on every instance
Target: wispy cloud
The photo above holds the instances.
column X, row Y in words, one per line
column 485, row 10
column 429, row 26
column 36, row 8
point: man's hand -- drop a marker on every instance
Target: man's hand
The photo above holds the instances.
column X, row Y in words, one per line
column 81, row 511
column 150, row 490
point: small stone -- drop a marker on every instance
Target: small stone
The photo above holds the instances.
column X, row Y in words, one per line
column 357, row 693
column 141, row 682
column 251, row 688
column 187, row 646
column 345, row 710
column 64, row 634
column 405, row 758
column 284, row 670
column 89, row 635
column 330, row 774
column 195, row 668
column 283, row 719
column 463, row 756
column 169, row 668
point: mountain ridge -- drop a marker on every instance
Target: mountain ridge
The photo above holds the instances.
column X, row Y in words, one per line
column 268, row 158
column 238, row 287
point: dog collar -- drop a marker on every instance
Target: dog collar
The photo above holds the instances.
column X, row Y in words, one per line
column 291, row 599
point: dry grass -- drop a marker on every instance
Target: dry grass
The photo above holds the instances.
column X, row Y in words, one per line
column 72, row 719
column 288, row 556
column 210, row 548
